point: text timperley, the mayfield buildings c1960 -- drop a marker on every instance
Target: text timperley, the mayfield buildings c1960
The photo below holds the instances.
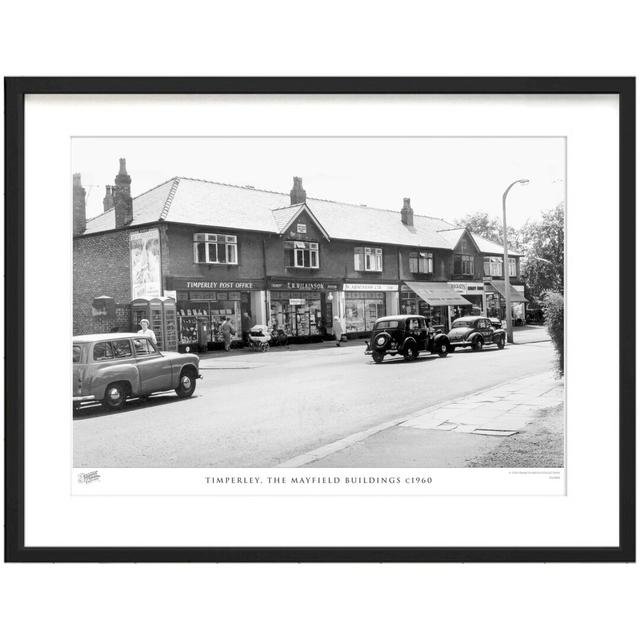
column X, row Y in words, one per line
column 190, row 252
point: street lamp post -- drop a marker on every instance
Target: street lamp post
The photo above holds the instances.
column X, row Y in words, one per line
column 505, row 263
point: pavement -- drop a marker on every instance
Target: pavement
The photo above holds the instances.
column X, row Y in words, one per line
column 447, row 434
column 254, row 409
column 530, row 333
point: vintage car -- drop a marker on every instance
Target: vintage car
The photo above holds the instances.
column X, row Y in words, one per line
column 111, row 367
column 405, row 335
column 475, row 332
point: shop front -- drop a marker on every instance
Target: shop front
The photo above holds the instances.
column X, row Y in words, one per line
column 303, row 309
column 202, row 306
column 364, row 303
column 473, row 293
column 495, row 296
column 433, row 300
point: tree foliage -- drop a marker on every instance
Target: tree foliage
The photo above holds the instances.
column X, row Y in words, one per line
column 553, row 305
column 489, row 228
column 542, row 242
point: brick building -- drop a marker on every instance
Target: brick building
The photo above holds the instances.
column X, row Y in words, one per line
column 288, row 260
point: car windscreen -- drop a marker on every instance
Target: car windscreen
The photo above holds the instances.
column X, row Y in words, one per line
column 387, row 324
column 77, row 352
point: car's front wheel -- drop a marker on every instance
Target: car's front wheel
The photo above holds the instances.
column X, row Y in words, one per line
column 443, row 349
column 377, row 357
column 187, row 384
column 500, row 342
column 115, row 397
column 411, row 353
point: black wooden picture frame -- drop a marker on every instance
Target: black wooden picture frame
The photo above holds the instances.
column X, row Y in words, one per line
column 15, row 91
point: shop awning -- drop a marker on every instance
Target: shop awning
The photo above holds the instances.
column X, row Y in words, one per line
column 438, row 294
column 516, row 296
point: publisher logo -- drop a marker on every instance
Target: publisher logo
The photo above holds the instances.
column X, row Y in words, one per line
column 90, row 476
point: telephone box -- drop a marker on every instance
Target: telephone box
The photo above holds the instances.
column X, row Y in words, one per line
column 161, row 313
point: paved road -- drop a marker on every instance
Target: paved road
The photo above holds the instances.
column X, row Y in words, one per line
column 262, row 409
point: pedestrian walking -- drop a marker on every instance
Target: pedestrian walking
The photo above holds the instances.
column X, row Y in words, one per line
column 338, row 330
column 146, row 332
column 247, row 323
column 227, row 331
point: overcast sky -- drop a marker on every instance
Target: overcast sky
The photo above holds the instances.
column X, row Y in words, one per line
column 444, row 177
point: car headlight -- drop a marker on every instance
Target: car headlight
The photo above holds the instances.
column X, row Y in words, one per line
column 380, row 340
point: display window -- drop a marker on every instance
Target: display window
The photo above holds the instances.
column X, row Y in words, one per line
column 410, row 303
column 362, row 309
column 212, row 307
column 297, row 317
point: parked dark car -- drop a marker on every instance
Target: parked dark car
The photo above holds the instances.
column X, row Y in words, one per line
column 405, row 335
column 475, row 332
column 496, row 323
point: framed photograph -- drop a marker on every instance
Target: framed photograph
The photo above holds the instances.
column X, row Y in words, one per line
column 320, row 319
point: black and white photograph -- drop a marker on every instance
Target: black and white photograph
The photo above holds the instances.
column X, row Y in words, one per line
column 316, row 303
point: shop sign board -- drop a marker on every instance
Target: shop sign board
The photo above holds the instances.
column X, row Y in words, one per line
column 194, row 284
column 468, row 288
column 144, row 256
column 297, row 301
column 376, row 286
column 304, row 285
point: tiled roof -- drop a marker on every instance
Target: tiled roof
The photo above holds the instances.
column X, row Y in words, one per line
column 284, row 215
column 147, row 207
column 488, row 246
column 214, row 204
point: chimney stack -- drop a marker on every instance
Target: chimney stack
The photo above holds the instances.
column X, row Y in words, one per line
column 107, row 201
column 407, row 213
column 122, row 197
column 298, row 194
column 79, row 206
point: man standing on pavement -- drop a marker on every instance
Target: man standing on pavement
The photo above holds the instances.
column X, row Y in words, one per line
column 247, row 323
column 227, row 330
column 338, row 330
column 146, row 332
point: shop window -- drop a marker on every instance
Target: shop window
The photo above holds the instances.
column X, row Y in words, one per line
column 301, row 255
column 367, row 259
column 462, row 265
column 421, row 262
column 362, row 309
column 215, row 248
column 492, row 266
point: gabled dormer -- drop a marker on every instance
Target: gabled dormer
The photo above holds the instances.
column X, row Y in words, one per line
column 300, row 230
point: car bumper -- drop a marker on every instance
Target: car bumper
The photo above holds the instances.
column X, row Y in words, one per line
column 386, row 352
column 84, row 398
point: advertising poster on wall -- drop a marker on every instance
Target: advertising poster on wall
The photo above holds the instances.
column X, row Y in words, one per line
column 144, row 252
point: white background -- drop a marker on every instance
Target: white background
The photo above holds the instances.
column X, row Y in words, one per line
column 341, row 601
column 54, row 517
